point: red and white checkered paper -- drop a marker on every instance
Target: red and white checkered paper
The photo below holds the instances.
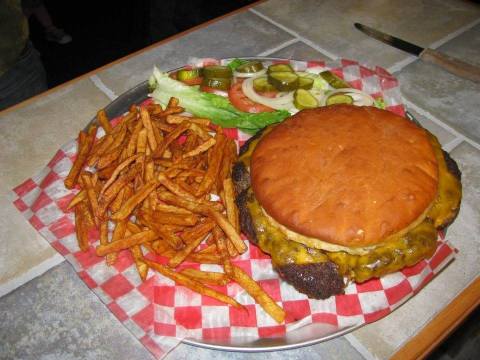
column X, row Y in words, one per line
column 160, row 314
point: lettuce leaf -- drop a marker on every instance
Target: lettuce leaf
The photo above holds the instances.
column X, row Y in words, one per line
column 215, row 107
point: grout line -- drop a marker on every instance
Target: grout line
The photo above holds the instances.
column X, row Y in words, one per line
column 31, row 274
column 402, row 63
column 295, row 34
column 431, row 117
column 452, row 144
column 454, row 34
column 359, row 347
column 284, row 45
column 102, row 87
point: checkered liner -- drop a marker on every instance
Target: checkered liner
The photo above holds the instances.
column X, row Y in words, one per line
column 161, row 314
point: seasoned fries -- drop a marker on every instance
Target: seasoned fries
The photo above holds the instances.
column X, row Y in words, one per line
column 150, row 179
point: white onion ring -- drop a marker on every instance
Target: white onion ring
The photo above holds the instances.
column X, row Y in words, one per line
column 249, row 75
column 283, row 102
column 367, row 99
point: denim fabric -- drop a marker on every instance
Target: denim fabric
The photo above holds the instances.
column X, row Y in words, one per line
column 24, row 80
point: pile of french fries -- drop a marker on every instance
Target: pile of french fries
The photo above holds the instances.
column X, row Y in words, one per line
column 162, row 181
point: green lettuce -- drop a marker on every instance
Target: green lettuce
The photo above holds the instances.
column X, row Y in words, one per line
column 214, row 107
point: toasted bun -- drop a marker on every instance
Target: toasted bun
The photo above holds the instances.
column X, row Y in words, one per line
column 346, row 175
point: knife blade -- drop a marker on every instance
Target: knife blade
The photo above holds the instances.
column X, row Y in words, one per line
column 448, row 63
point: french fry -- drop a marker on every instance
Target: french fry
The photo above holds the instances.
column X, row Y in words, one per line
column 178, row 119
column 179, row 130
column 232, row 210
column 260, row 296
column 118, row 233
column 175, row 188
column 192, row 284
column 207, row 277
column 133, row 201
column 80, row 226
column 147, row 124
column 91, row 196
column 229, row 231
column 79, row 197
column 162, row 217
column 193, row 206
column 118, row 170
column 103, row 121
column 125, row 243
column 214, row 166
column 181, row 255
column 200, row 148
column 141, row 266
column 85, row 143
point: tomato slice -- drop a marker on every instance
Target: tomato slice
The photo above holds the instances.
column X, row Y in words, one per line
column 243, row 103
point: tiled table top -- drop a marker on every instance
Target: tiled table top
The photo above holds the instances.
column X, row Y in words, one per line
column 39, row 320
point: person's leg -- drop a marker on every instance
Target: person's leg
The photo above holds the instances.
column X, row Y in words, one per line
column 24, row 80
column 42, row 15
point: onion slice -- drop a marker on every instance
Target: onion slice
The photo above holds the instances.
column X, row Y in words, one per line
column 249, row 75
column 281, row 102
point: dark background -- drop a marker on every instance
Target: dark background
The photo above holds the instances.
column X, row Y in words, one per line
column 105, row 30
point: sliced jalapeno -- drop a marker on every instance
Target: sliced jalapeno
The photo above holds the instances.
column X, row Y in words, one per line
column 217, row 71
column 339, row 99
column 250, row 67
column 188, row 74
column 279, row 67
column 261, row 84
column 303, row 99
column 283, row 80
column 217, row 83
column 334, row 80
column 305, row 83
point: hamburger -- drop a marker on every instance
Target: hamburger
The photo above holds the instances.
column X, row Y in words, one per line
column 344, row 193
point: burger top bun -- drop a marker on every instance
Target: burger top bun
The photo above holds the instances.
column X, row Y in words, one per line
column 346, row 175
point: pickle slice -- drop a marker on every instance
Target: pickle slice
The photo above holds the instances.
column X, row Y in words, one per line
column 334, row 80
column 283, row 80
column 303, row 99
column 217, row 71
column 217, row 83
column 250, row 67
column 261, row 84
column 339, row 99
column 188, row 74
column 305, row 83
column 279, row 67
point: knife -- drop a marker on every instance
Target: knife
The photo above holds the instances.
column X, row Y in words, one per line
column 450, row 64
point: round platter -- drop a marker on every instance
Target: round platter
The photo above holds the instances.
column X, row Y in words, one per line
column 301, row 336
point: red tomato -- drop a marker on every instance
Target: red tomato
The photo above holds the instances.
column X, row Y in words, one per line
column 213, row 90
column 243, row 103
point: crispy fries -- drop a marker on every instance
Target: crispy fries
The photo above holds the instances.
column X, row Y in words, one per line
column 149, row 180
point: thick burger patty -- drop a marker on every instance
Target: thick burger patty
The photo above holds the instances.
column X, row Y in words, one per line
column 317, row 280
